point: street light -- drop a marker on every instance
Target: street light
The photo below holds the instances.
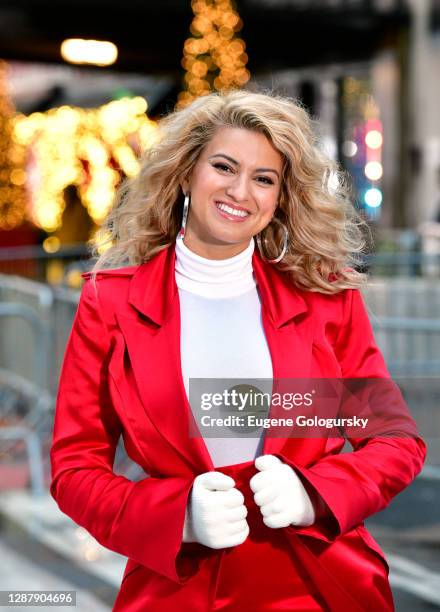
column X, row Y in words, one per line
column 91, row 52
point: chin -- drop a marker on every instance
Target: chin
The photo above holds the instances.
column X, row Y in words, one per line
column 231, row 238
column 229, row 235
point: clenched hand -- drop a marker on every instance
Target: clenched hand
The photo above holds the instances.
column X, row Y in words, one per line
column 280, row 494
column 216, row 514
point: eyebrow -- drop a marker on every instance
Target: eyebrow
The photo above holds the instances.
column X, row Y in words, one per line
column 233, row 161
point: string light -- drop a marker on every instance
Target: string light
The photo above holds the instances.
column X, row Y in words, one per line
column 86, row 148
column 12, row 174
column 214, row 57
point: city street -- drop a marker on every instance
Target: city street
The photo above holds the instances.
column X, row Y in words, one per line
column 209, row 191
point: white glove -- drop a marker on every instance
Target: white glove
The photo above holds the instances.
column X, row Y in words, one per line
column 215, row 514
column 280, row 494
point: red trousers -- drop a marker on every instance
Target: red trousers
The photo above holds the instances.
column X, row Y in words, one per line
column 260, row 575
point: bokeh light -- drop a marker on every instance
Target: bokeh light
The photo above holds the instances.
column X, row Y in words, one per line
column 373, row 139
column 214, row 56
column 91, row 52
column 90, row 149
column 373, row 197
column 349, row 148
column 373, row 170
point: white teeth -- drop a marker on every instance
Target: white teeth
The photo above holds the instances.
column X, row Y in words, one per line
column 232, row 211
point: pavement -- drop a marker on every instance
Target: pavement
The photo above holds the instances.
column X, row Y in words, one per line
column 45, row 550
column 39, row 577
column 408, row 531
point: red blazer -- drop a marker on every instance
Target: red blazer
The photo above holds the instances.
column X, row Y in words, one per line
column 121, row 375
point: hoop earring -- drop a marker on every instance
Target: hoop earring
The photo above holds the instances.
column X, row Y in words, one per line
column 285, row 243
column 185, row 214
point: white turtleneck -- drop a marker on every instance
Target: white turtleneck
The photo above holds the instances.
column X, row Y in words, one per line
column 214, row 278
column 222, row 334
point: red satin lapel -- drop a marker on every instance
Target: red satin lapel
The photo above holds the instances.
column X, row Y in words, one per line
column 291, row 351
column 154, row 355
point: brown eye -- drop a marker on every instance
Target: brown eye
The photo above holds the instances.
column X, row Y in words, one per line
column 266, row 180
column 221, row 166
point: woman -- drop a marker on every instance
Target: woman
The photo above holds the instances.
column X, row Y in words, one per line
column 241, row 523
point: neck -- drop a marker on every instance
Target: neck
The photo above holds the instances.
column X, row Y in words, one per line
column 214, row 278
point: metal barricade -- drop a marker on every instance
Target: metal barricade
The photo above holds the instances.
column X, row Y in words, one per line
column 33, row 304
column 35, row 353
column 411, row 347
column 36, row 401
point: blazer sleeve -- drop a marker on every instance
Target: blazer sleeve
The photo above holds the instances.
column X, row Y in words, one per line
column 351, row 486
column 142, row 520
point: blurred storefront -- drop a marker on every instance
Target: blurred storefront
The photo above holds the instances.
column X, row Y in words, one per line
column 73, row 133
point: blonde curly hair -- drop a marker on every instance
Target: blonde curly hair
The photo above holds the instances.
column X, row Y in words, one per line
column 325, row 230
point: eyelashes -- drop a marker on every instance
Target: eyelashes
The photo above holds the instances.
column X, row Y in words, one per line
column 223, row 167
column 266, row 180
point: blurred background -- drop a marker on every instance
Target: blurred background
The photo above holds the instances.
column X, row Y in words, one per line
column 80, row 97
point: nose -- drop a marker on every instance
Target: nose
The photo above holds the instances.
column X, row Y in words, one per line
column 238, row 187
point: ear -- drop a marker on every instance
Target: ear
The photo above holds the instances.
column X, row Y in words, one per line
column 184, row 184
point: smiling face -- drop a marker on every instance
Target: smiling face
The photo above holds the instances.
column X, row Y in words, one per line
column 234, row 187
